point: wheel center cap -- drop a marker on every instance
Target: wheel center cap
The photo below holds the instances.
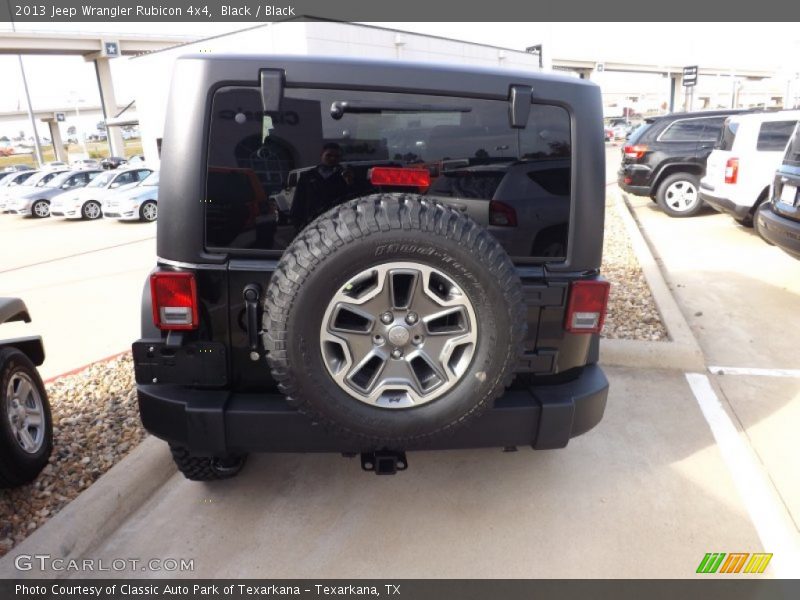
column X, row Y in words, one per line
column 399, row 336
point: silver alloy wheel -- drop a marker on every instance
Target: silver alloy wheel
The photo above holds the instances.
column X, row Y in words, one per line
column 41, row 208
column 25, row 411
column 681, row 196
column 92, row 211
column 150, row 211
column 398, row 335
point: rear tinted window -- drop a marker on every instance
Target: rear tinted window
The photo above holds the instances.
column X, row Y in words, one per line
column 773, row 135
column 639, row 132
column 271, row 174
column 728, row 135
column 792, row 156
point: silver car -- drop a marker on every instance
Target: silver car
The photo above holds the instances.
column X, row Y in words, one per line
column 37, row 201
column 137, row 203
column 30, row 198
column 9, row 184
column 86, row 203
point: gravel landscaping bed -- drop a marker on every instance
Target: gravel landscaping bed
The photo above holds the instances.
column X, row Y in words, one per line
column 632, row 313
column 95, row 425
column 96, row 420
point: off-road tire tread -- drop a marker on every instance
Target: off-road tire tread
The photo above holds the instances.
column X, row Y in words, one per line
column 356, row 220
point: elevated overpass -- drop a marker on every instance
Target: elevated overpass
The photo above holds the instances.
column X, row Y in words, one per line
column 97, row 48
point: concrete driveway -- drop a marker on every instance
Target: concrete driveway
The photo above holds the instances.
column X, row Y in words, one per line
column 741, row 297
column 82, row 282
column 646, row 494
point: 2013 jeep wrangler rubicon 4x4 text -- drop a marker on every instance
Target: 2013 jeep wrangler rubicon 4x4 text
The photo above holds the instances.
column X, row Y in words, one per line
column 372, row 257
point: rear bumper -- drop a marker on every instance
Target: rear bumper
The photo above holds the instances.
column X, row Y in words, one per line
column 779, row 230
column 214, row 422
column 635, row 179
column 725, row 205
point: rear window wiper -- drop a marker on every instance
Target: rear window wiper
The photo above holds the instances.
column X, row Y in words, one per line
column 340, row 107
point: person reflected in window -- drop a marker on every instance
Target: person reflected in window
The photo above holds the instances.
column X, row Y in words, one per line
column 321, row 188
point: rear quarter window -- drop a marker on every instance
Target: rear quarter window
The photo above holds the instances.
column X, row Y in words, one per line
column 792, row 156
column 685, row 130
column 773, row 135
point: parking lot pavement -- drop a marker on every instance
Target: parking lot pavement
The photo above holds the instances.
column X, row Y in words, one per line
column 668, row 475
column 82, row 282
column 741, row 298
column 645, row 494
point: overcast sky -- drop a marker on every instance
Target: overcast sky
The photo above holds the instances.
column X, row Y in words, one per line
column 773, row 46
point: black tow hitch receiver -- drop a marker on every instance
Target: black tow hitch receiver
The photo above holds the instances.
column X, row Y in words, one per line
column 384, row 462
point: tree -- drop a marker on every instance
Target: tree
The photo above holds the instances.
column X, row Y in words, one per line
column 4, row 139
column 72, row 130
column 101, row 126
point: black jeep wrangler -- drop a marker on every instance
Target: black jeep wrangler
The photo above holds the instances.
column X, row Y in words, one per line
column 428, row 279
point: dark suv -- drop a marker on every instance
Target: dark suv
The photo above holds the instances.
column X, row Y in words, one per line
column 431, row 282
column 665, row 158
column 778, row 219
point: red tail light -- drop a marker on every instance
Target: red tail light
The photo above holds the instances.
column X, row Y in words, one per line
column 174, row 300
column 587, row 305
column 501, row 214
column 636, row 151
column 420, row 178
column 732, row 170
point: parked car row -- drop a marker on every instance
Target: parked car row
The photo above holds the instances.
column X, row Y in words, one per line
column 723, row 159
column 124, row 193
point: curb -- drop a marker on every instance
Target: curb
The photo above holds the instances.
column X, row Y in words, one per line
column 682, row 351
column 97, row 512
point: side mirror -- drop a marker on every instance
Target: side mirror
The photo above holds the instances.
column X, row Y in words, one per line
column 114, row 185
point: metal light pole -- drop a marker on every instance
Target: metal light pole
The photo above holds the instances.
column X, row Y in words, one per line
column 81, row 136
column 36, row 143
column 536, row 51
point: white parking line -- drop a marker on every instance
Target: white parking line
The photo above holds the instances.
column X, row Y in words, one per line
column 757, row 372
column 775, row 528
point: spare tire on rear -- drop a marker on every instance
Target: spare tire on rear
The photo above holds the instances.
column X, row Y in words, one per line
column 393, row 318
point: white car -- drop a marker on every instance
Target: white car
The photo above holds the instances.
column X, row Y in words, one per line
column 136, row 203
column 86, row 203
column 22, row 198
column 742, row 165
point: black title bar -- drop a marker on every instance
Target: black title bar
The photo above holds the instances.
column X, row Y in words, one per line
column 207, row 11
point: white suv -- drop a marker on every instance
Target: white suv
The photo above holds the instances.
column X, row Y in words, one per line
column 742, row 165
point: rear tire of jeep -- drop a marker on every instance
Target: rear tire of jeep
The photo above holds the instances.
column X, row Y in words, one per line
column 392, row 319
column 678, row 195
column 205, row 468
